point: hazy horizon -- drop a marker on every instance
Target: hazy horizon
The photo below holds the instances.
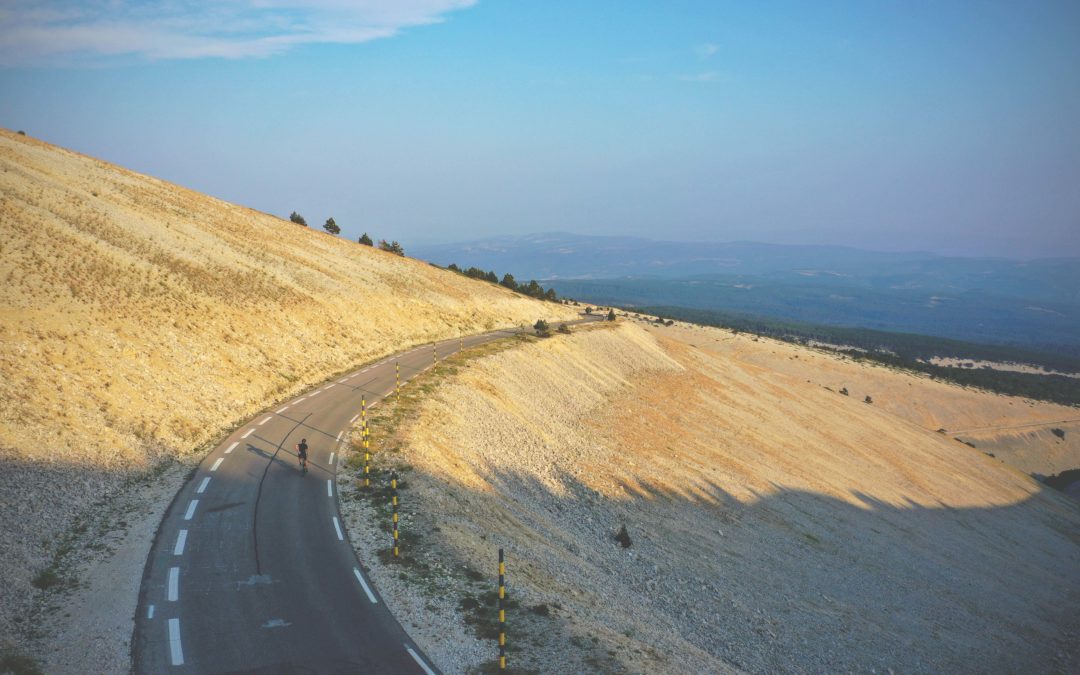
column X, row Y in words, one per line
column 949, row 129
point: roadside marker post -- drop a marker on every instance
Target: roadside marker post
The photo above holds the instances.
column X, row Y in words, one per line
column 502, row 612
column 367, row 448
column 397, row 379
column 435, row 353
column 393, row 501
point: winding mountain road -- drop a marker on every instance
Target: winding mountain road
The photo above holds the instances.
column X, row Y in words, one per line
column 252, row 570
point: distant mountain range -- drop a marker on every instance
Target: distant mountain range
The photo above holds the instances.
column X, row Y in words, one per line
column 1035, row 303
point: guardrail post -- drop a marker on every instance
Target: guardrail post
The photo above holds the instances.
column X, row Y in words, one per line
column 502, row 612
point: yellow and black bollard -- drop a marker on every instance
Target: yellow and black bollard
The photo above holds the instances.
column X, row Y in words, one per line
column 364, row 436
column 435, row 353
column 502, row 612
column 397, row 379
column 393, row 501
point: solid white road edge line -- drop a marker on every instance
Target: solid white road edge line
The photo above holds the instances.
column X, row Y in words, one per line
column 249, row 432
column 329, row 487
column 176, row 650
column 181, row 539
column 360, row 578
column 232, row 447
column 150, row 612
column 419, row 661
column 267, row 419
column 339, row 436
column 203, row 484
column 337, row 526
column 191, row 509
column 174, row 583
column 216, row 464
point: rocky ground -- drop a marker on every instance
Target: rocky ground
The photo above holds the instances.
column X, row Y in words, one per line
column 775, row 524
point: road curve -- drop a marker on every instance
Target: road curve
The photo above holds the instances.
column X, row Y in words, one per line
column 251, row 569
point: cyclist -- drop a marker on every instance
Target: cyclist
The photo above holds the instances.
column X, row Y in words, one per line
column 301, row 452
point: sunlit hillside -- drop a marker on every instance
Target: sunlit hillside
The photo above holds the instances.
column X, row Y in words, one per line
column 141, row 319
column 774, row 523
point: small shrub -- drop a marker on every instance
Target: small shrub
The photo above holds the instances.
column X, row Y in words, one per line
column 563, row 328
column 611, row 315
column 46, row 578
column 542, row 328
column 844, row 391
column 21, row 132
column 623, row 537
column 868, row 399
column 20, row 664
column 1060, row 433
column 588, row 310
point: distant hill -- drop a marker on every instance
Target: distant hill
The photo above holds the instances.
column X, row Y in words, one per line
column 1034, row 303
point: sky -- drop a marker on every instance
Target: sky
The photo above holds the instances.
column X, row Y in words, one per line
column 951, row 127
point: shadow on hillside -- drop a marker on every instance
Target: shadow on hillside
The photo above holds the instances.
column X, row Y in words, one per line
column 790, row 581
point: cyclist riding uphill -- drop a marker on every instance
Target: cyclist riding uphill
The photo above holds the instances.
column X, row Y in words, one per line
column 301, row 453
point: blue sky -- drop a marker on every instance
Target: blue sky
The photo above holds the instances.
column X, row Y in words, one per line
column 942, row 126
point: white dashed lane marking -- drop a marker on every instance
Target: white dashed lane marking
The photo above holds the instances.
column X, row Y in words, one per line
column 281, row 410
column 248, row 433
column 339, row 436
column 363, row 584
column 264, row 421
column 217, row 463
column 331, row 462
column 329, row 487
column 353, row 419
column 314, row 393
column 337, row 527
column 203, row 484
column 191, row 509
column 232, row 447
column 150, row 612
column 176, row 650
column 419, row 661
column 174, row 583
column 181, row 540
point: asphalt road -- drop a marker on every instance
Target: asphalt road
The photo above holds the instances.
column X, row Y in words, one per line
column 252, row 570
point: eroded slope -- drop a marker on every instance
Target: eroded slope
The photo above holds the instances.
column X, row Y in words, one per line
column 776, row 525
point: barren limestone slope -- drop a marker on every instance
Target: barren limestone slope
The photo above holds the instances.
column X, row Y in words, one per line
column 139, row 319
column 776, row 525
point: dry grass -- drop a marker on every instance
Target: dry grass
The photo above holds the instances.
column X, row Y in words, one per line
column 141, row 319
column 776, row 525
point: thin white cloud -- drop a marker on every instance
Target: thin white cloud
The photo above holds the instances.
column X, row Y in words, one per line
column 707, row 50
column 34, row 32
column 707, row 76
